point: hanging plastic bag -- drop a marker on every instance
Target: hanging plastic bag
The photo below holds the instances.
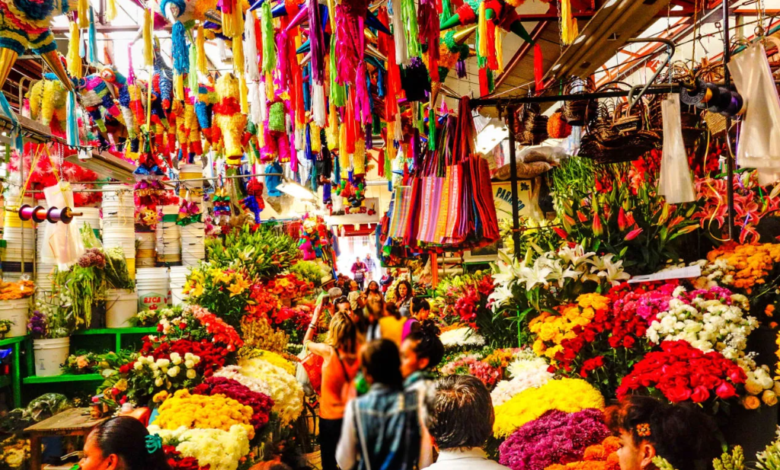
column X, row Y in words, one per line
column 63, row 243
column 675, row 183
column 759, row 141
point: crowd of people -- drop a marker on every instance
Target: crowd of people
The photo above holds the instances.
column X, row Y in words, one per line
column 380, row 408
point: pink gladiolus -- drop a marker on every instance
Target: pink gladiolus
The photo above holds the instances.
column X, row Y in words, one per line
column 632, row 234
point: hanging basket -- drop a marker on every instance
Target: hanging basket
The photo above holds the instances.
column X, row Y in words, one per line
column 621, row 135
column 579, row 112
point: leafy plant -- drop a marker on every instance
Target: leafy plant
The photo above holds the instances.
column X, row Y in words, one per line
column 261, row 251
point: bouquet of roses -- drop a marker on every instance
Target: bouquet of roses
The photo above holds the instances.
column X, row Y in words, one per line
column 470, row 364
column 196, row 323
column 555, row 438
column 552, row 329
column 260, row 403
column 680, row 372
column 211, row 356
column 711, row 319
column 178, row 462
column 604, row 350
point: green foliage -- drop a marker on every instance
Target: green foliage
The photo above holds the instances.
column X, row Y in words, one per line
column 86, row 362
column 309, row 271
column 262, row 251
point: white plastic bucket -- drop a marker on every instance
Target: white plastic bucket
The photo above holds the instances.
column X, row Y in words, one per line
column 145, row 240
column 16, row 311
column 50, row 354
column 121, row 306
column 153, row 288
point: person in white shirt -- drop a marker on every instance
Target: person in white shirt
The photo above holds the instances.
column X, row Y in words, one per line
column 459, row 417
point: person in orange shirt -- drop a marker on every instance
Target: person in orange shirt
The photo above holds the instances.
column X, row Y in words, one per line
column 339, row 367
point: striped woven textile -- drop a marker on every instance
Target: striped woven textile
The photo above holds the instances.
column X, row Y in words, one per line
column 402, row 198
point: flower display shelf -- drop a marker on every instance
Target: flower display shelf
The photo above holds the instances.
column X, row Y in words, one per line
column 14, row 380
column 23, row 344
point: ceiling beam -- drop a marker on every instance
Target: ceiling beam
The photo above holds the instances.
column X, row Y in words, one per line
column 521, row 52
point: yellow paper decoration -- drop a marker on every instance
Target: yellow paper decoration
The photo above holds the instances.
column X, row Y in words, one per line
column 75, row 67
column 200, row 43
column 569, row 30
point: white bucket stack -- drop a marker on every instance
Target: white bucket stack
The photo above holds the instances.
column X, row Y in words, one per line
column 17, row 233
column 118, row 221
column 144, row 254
column 16, row 311
column 121, row 306
column 193, row 249
column 168, row 242
column 178, row 279
column 153, row 289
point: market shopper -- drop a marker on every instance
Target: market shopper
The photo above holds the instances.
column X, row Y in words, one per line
column 370, row 266
column 359, row 271
column 375, row 301
column 459, row 416
column 421, row 352
column 391, row 325
column 122, row 443
column 403, row 298
column 381, row 428
column 647, row 427
column 339, row 367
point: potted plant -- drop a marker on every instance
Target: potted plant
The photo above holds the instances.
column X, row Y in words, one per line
column 50, row 327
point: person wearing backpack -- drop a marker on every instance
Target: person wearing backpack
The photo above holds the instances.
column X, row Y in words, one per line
column 381, row 429
column 340, row 365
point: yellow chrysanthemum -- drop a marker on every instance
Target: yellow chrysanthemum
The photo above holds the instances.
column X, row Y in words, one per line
column 204, row 412
column 567, row 395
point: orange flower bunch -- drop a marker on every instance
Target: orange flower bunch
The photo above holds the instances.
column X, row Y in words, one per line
column 16, row 290
column 597, row 457
column 744, row 266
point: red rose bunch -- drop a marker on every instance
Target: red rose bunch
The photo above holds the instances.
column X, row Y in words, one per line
column 260, row 403
column 177, row 462
column 681, row 372
column 212, row 356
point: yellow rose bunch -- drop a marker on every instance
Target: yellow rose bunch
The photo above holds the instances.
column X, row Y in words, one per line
column 551, row 330
column 567, row 395
column 203, row 412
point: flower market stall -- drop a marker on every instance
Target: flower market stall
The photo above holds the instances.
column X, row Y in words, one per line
column 179, row 178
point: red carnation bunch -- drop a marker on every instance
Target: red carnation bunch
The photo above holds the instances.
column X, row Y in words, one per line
column 261, row 403
column 681, row 372
column 177, row 462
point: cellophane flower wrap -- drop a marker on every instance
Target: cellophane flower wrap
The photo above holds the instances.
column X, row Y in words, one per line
column 554, row 438
column 213, row 448
column 567, row 395
column 204, row 412
column 708, row 319
column 680, row 372
column 551, row 329
column 285, row 390
column 596, row 457
column 261, row 404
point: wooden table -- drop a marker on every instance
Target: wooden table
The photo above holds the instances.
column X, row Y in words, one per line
column 72, row 422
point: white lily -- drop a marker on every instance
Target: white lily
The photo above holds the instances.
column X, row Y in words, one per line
column 576, row 255
column 613, row 272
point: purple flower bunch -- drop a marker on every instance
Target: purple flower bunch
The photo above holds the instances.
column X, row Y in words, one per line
column 37, row 324
column 93, row 257
column 555, row 438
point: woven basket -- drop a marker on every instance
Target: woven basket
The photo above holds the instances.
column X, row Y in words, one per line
column 579, row 112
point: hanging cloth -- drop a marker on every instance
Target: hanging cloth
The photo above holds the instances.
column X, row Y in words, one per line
column 675, row 182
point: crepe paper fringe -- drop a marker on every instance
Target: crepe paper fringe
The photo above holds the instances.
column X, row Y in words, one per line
column 75, row 67
column 83, row 11
column 538, row 67
column 250, row 48
column 269, row 46
column 409, row 13
column 315, row 137
column 318, row 105
column 569, row 30
column 192, row 76
column 482, row 49
column 317, row 41
column 276, row 117
column 92, row 38
column 401, row 51
column 338, row 93
column 232, row 18
column 499, row 51
column 72, row 125
column 148, row 45
column 111, row 10
column 238, row 55
column 228, row 116
column 244, row 93
column 200, row 44
column 180, row 49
